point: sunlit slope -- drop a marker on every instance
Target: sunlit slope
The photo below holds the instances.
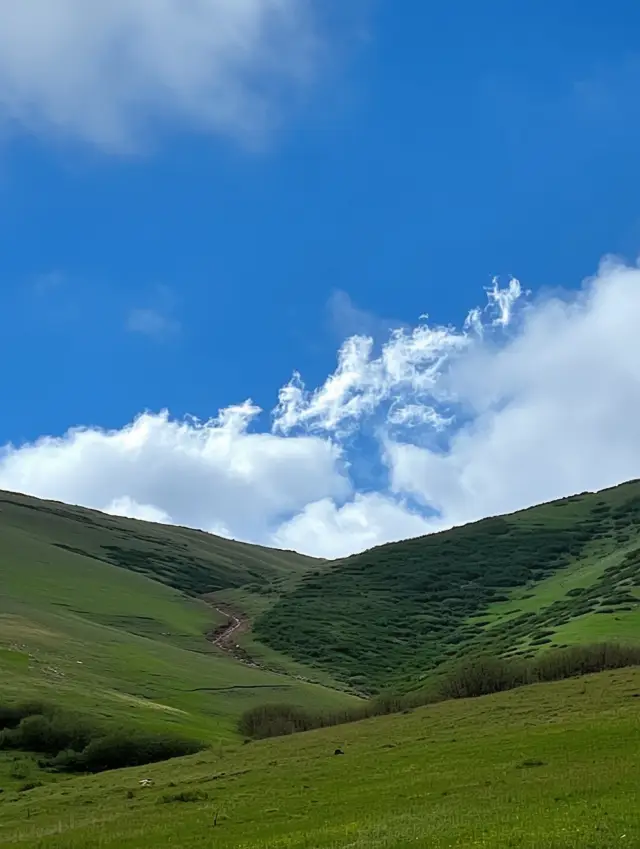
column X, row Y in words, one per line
column 111, row 641
column 560, row 573
column 551, row 765
column 189, row 560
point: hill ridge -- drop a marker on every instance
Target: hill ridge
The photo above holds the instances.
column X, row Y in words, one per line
column 386, row 616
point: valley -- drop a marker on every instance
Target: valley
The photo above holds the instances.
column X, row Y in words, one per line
column 165, row 631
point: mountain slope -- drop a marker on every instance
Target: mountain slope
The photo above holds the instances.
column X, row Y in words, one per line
column 557, row 573
column 189, row 560
column 79, row 630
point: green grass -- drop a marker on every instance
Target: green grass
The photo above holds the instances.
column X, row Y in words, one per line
column 386, row 617
column 595, row 628
column 551, row 766
column 104, row 617
column 188, row 560
column 109, row 641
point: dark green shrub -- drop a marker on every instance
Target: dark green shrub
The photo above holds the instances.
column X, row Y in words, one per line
column 583, row 660
column 72, row 744
column 47, row 734
column 275, row 721
column 29, row 785
column 185, row 796
column 481, row 676
column 12, row 715
column 118, row 750
column 474, row 677
column 121, row 749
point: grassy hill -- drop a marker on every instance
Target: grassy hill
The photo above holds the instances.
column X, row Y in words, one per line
column 557, row 574
column 188, row 560
column 83, row 622
column 551, row 766
column 107, row 617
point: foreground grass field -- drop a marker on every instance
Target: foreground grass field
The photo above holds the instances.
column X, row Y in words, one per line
column 551, row 766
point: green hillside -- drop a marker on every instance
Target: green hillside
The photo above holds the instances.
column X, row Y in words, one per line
column 189, row 560
column 108, row 618
column 78, row 630
column 551, row 766
column 557, row 574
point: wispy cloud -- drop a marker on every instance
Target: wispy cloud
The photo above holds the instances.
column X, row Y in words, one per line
column 51, row 281
column 347, row 319
column 158, row 319
column 525, row 402
column 152, row 322
column 104, row 71
column 409, row 374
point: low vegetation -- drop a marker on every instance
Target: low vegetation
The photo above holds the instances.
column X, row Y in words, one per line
column 392, row 614
column 550, row 766
column 102, row 630
column 188, row 560
column 483, row 675
column 479, row 676
column 72, row 743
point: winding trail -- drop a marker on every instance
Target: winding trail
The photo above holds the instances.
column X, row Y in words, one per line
column 236, row 623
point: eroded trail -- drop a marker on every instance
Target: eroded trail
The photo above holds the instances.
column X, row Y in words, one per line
column 226, row 637
column 236, row 623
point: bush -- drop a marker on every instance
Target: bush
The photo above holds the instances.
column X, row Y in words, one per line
column 275, row 721
column 483, row 675
column 479, row 676
column 583, row 660
column 185, row 796
column 119, row 750
column 12, row 715
column 47, row 734
column 72, row 744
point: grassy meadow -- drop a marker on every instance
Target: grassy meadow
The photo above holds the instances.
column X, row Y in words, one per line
column 550, row 766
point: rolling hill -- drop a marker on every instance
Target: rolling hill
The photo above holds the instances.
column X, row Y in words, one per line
column 557, row 574
column 103, row 614
column 115, row 620
column 554, row 575
column 189, row 560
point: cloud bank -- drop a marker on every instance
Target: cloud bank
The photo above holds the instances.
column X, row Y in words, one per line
column 528, row 400
column 101, row 71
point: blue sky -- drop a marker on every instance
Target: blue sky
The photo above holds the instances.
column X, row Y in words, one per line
column 195, row 207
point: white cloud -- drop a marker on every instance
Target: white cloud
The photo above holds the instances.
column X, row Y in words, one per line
column 504, row 300
column 126, row 506
column 530, row 401
column 555, row 410
column 213, row 475
column 100, row 71
column 409, row 374
column 331, row 531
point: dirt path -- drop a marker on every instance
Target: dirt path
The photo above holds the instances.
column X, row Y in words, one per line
column 225, row 637
column 236, row 623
